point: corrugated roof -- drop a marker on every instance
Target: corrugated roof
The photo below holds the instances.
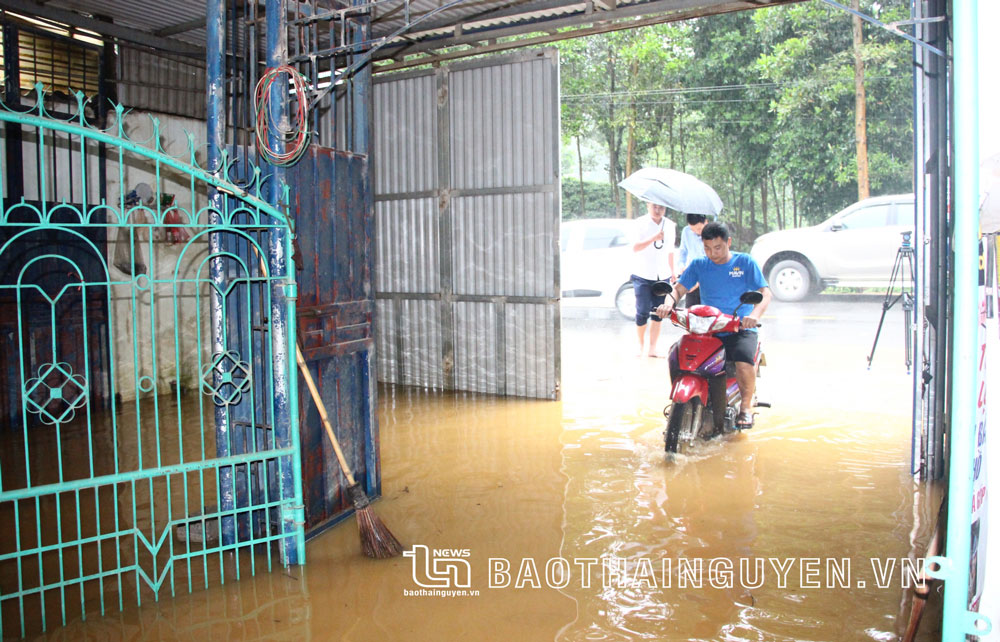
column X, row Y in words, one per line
column 178, row 25
column 149, row 16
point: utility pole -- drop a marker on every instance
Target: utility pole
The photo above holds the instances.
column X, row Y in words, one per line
column 860, row 110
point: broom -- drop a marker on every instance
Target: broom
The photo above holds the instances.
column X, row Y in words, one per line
column 376, row 540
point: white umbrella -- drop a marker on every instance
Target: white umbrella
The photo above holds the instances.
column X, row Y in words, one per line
column 673, row 189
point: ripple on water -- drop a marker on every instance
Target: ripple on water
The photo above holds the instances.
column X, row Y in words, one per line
column 797, row 486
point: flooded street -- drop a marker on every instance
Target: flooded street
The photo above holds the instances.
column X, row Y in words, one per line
column 530, row 497
column 823, row 475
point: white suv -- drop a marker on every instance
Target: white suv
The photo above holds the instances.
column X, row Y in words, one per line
column 855, row 248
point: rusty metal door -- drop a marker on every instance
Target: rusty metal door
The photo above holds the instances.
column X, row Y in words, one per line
column 330, row 199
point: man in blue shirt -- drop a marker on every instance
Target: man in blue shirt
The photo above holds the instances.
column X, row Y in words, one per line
column 722, row 276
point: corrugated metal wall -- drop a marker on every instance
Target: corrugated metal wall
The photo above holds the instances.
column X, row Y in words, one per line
column 467, row 225
column 165, row 84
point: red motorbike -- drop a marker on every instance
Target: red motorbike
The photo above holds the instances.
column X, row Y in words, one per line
column 704, row 395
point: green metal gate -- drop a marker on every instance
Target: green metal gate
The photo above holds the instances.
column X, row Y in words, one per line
column 150, row 442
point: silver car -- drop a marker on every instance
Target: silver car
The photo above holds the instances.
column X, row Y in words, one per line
column 854, row 248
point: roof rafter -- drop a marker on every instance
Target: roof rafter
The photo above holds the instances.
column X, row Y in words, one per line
column 107, row 29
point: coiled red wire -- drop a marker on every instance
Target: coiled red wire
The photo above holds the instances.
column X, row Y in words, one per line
column 295, row 137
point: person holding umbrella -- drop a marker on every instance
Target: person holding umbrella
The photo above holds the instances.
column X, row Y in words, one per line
column 661, row 188
column 654, row 258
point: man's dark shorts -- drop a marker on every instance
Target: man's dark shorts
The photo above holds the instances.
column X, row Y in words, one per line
column 644, row 300
column 740, row 346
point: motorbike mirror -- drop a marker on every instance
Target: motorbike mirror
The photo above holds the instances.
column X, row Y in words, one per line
column 751, row 297
column 661, row 288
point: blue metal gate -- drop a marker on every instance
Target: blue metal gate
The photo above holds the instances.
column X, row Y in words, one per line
column 142, row 447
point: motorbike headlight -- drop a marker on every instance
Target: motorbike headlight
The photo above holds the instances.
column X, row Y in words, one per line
column 700, row 325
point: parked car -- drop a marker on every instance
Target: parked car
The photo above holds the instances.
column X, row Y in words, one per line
column 596, row 264
column 855, row 247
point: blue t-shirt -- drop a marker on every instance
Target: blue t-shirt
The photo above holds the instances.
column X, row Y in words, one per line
column 722, row 285
column 691, row 246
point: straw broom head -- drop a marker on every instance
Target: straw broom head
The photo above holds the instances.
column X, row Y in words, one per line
column 376, row 539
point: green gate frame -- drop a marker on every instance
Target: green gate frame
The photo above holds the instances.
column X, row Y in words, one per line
column 79, row 524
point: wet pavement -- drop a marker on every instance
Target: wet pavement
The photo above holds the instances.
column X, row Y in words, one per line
column 565, row 521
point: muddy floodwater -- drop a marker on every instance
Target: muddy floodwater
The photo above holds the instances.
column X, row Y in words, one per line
column 564, row 521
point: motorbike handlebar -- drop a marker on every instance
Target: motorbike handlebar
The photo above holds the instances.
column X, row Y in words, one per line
column 760, row 324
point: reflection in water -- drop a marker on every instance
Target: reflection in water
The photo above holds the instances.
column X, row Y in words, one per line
column 97, row 549
column 824, row 475
column 821, row 484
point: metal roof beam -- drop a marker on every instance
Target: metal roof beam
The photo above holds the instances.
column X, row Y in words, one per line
column 507, row 11
column 606, row 25
column 107, row 29
column 670, row 10
column 181, row 27
column 197, row 23
column 563, row 20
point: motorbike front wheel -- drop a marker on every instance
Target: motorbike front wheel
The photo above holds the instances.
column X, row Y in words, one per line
column 681, row 416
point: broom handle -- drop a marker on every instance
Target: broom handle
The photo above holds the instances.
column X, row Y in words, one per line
column 322, row 413
column 304, row 368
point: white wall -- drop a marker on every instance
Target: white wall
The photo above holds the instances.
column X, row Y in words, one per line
column 176, row 309
column 157, row 308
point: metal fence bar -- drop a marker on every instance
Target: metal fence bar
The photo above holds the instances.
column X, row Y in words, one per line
column 110, row 479
column 959, row 621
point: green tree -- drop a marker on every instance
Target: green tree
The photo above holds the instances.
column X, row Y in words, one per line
column 735, row 107
column 760, row 105
column 809, row 56
column 614, row 87
column 576, row 78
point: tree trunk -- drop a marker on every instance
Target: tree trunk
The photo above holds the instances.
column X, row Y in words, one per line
column 579, row 165
column 739, row 211
column 763, row 207
column 612, row 175
column 753, row 213
column 680, row 128
column 630, row 148
column 795, row 208
column 860, row 115
column 670, row 130
column 779, row 216
column 613, row 137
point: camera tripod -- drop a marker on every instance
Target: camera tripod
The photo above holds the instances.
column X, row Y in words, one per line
column 904, row 259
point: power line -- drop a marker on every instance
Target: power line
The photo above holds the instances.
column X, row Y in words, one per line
column 706, row 89
column 681, row 103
